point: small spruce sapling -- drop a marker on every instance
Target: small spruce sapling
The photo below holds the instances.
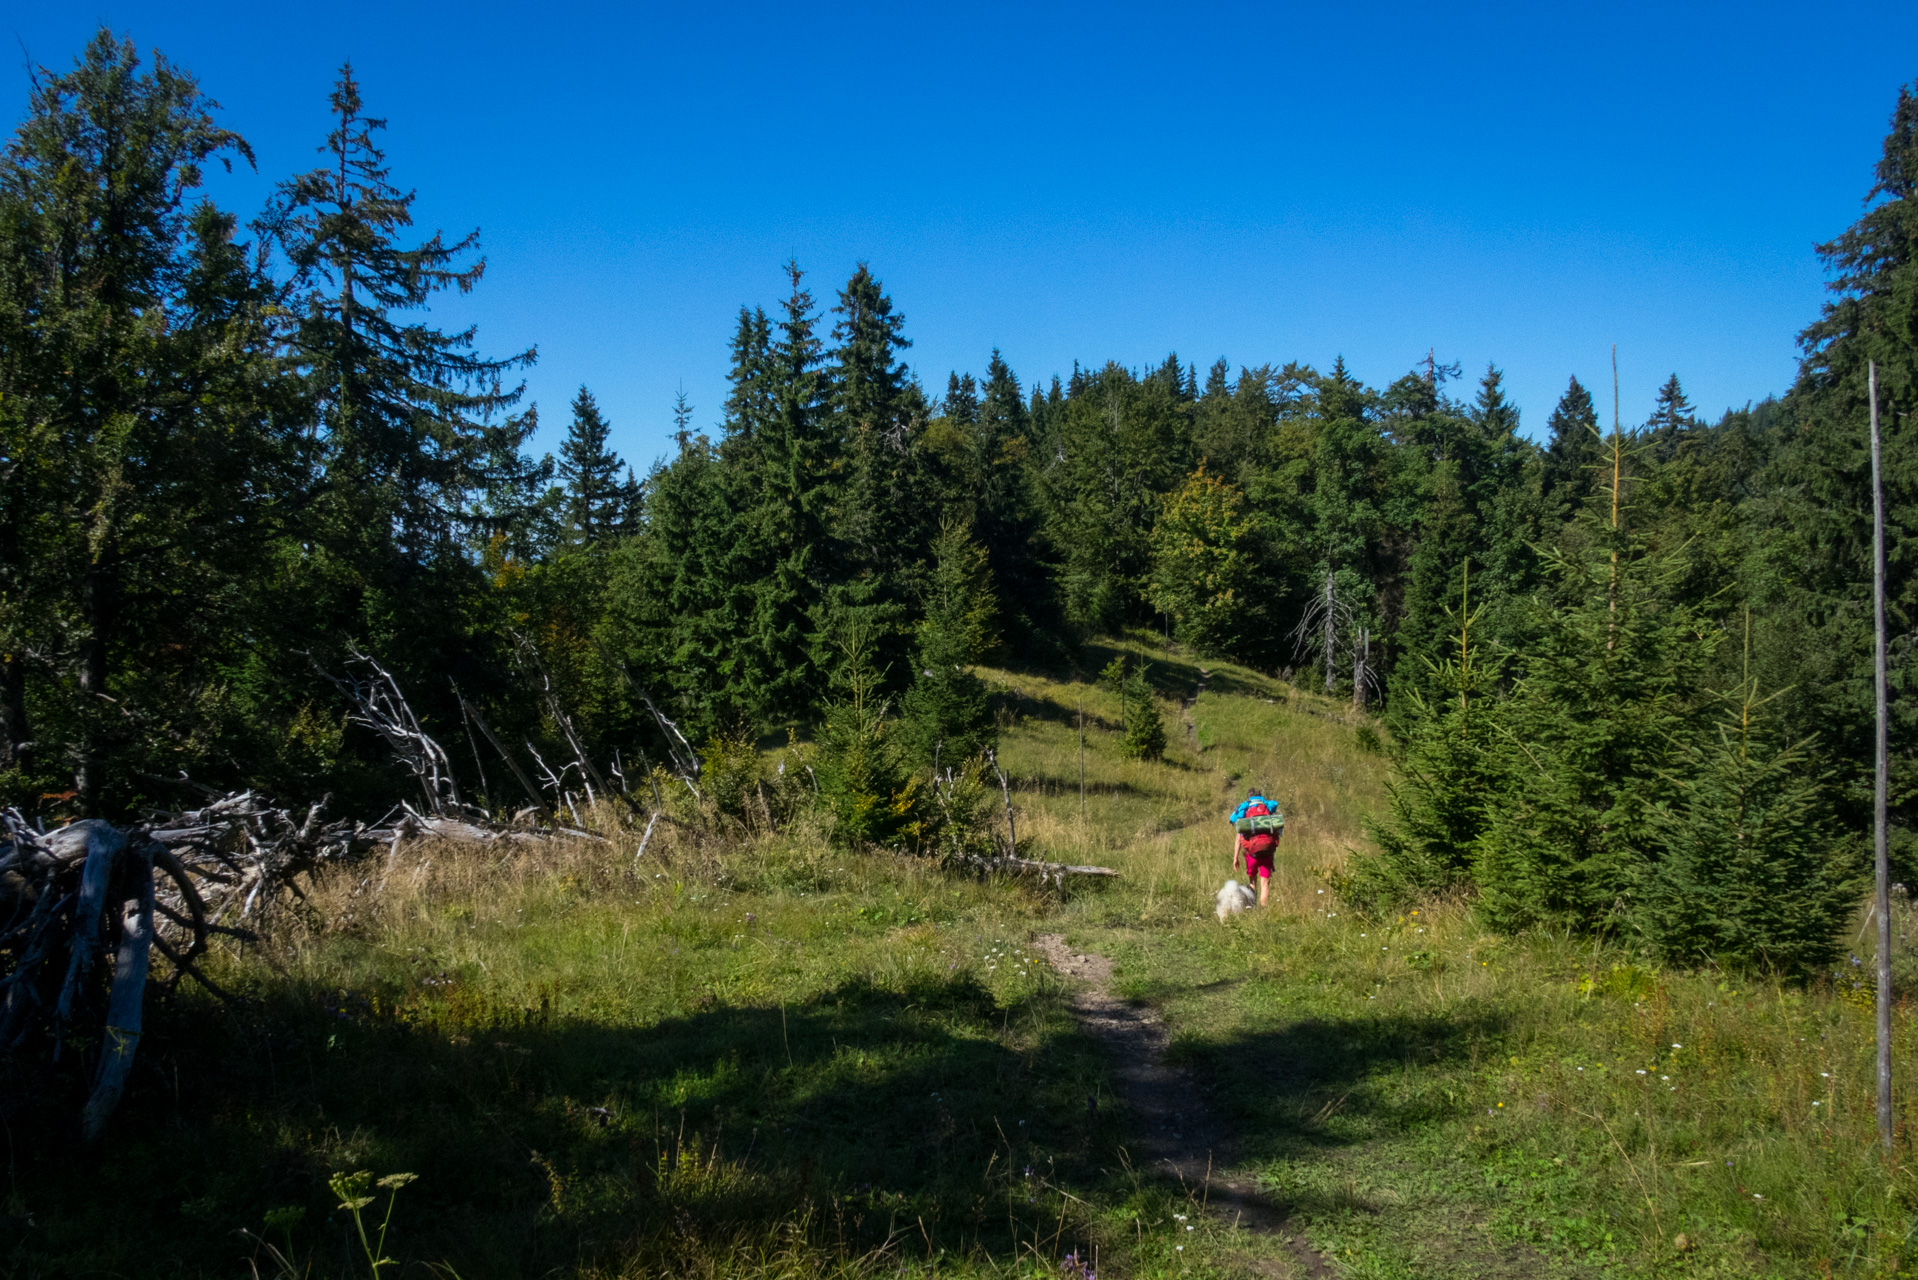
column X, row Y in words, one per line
column 1143, row 726
column 1429, row 841
column 947, row 716
column 863, row 778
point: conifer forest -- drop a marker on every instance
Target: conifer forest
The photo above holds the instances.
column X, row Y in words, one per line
column 301, row 641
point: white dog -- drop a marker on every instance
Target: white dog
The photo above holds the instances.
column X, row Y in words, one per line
column 1234, row 897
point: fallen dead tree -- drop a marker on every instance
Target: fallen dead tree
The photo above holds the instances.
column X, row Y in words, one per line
column 1006, row 860
column 92, row 913
column 1048, row 872
column 84, row 909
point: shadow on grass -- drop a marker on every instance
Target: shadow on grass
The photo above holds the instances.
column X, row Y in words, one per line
column 1052, row 784
column 542, row 1144
column 1319, row 1084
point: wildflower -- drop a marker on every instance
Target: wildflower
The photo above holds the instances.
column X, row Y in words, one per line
column 1641, row 1071
column 1678, row 1046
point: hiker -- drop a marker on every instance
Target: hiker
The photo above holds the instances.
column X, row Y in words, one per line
column 1257, row 825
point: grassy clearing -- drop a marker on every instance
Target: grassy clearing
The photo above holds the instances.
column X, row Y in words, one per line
column 758, row 1056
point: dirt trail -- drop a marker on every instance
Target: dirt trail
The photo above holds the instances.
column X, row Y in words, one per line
column 1180, row 1136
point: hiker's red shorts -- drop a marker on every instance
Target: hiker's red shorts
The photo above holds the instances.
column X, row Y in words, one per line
column 1257, row 864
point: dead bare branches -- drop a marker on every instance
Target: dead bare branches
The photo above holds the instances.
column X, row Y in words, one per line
column 379, row 705
column 1328, row 621
column 104, row 898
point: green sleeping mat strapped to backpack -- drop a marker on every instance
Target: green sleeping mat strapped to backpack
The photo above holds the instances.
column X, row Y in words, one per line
column 1266, row 824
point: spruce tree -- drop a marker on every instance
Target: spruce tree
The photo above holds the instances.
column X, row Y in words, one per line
column 1671, row 425
column 784, row 514
column 148, row 441
column 1442, row 786
column 1606, row 700
column 682, row 420
column 864, row 777
column 1346, row 482
column 1142, row 727
column 1751, row 869
column 1572, row 456
column 1006, row 518
column 599, row 502
column 946, row 711
column 882, row 523
column 418, row 425
column 961, row 404
column 1810, row 572
column 1121, row 443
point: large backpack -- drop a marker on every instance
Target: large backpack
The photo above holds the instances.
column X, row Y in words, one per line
column 1260, row 826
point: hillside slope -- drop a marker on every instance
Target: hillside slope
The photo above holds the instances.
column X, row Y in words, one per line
column 748, row 1053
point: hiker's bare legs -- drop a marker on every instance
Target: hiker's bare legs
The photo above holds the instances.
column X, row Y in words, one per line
column 1265, row 883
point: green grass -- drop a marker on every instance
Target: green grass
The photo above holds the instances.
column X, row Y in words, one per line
column 756, row 1056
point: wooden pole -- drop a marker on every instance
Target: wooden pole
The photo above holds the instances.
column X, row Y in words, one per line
column 1082, row 754
column 1881, row 857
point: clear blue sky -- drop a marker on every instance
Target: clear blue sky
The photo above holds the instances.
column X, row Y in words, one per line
column 1524, row 185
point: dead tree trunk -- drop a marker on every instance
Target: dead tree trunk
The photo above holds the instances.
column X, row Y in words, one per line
column 1329, row 625
column 127, row 1002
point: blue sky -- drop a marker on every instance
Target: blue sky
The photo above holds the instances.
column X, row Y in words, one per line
column 1523, row 185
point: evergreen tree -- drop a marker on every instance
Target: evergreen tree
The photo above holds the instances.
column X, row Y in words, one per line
column 1143, row 728
column 423, row 489
column 1444, row 782
column 1346, row 482
column 882, row 524
column 946, row 710
column 1607, row 697
column 417, row 423
column 599, row 503
column 682, row 420
column 1810, row 577
column 787, row 521
column 147, row 442
column 1006, row 517
column 750, row 403
column 1751, row 868
column 1572, row 456
column 863, row 774
column 961, row 404
column 1671, row 425
column 1122, row 443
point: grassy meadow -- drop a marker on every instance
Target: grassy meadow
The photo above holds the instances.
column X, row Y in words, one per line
column 748, row 1054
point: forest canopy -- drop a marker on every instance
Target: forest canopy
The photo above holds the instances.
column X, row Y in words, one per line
column 1627, row 671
